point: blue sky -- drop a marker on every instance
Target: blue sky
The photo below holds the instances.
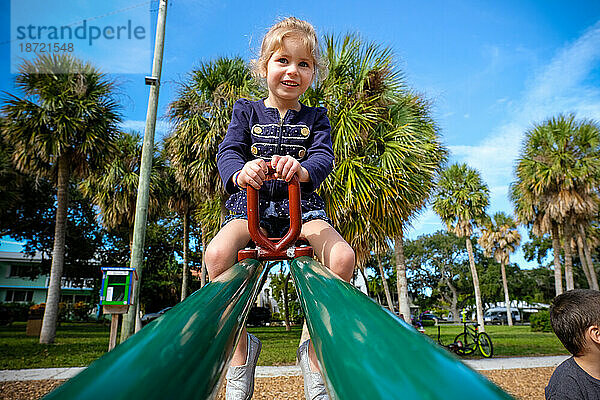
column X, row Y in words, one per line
column 491, row 69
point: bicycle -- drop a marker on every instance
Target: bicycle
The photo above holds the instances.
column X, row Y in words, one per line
column 470, row 340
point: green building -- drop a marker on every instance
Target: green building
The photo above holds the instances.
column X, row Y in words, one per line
column 16, row 284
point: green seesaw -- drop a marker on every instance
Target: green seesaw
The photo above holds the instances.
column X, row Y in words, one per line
column 365, row 351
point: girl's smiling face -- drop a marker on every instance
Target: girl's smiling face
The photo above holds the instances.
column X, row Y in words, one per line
column 290, row 72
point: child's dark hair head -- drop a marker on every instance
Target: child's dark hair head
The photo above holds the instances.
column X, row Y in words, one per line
column 289, row 27
column 571, row 314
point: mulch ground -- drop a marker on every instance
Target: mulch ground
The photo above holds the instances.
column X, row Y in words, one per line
column 526, row 384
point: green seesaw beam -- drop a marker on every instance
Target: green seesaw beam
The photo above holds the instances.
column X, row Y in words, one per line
column 366, row 352
column 181, row 355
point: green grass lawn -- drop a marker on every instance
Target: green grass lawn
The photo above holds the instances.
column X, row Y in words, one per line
column 508, row 341
column 78, row 344
column 279, row 347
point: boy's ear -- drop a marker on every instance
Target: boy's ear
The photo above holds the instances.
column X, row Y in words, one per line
column 593, row 332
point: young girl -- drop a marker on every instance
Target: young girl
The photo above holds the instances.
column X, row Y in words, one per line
column 295, row 140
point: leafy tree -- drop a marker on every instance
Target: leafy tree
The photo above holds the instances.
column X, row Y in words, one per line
column 180, row 202
column 286, row 297
column 26, row 214
column 537, row 248
column 26, row 203
column 382, row 277
column 534, row 285
column 439, row 262
column 162, row 279
column 460, row 200
column 499, row 238
column 63, row 128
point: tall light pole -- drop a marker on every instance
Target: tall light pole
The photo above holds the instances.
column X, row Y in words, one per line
column 141, row 207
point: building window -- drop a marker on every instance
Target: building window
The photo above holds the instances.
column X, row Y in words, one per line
column 66, row 298
column 84, row 298
column 74, row 298
column 22, row 270
column 19, row 296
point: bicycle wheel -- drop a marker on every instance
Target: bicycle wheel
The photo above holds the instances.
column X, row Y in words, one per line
column 468, row 344
column 485, row 345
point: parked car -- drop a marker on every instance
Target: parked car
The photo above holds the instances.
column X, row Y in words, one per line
column 497, row 315
column 147, row 318
column 426, row 319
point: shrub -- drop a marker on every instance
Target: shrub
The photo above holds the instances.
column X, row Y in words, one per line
column 540, row 321
column 19, row 311
column 16, row 311
column 36, row 311
column 81, row 310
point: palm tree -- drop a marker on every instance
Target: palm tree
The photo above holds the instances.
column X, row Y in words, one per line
column 63, row 128
column 386, row 145
column 114, row 188
column 200, row 116
column 499, row 238
column 529, row 212
column 114, row 191
column 416, row 173
column 360, row 77
column 460, row 200
column 558, row 174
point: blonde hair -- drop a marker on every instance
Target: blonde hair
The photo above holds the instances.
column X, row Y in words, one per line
column 273, row 41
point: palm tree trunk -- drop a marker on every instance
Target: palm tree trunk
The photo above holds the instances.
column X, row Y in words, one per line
column 583, row 261
column 127, row 327
column 186, row 243
column 506, row 296
column 130, row 240
column 570, row 284
column 362, row 272
column 454, row 301
column 557, row 266
column 478, row 305
column 203, row 271
column 401, row 282
column 588, row 257
column 48, row 331
column 286, row 308
column 386, row 288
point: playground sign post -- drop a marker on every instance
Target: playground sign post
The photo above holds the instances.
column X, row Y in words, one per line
column 115, row 296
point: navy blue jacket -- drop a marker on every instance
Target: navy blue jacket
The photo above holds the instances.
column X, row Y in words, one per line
column 257, row 131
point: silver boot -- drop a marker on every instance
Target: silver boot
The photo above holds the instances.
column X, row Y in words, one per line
column 314, row 387
column 240, row 379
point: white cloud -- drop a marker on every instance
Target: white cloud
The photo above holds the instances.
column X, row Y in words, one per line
column 559, row 87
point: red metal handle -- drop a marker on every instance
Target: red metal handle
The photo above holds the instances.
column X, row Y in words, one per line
column 293, row 232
